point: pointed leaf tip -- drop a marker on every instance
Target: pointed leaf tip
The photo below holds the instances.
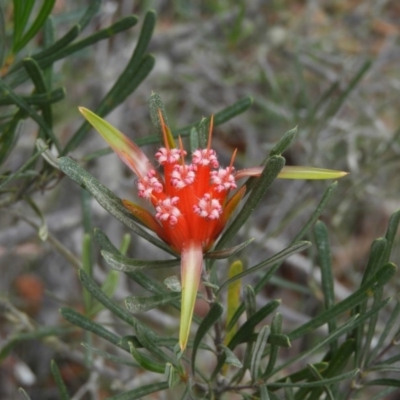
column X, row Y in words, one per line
column 191, row 268
column 294, row 172
column 128, row 152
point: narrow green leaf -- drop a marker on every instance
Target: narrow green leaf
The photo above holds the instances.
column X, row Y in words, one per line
column 310, row 173
column 24, row 394
column 142, row 279
column 119, row 26
column 126, row 241
column 48, row 40
column 44, row 12
column 203, row 130
column 305, row 373
column 125, row 264
column 334, row 108
column 276, row 329
column 352, row 323
column 336, row 365
column 383, row 394
column 108, row 287
column 62, row 389
column 264, row 393
column 225, row 253
column 172, row 375
column 137, row 69
column 21, row 169
column 213, row 315
column 24, row 106
column 144, row 303
column 272, row 168
column 277, row 258
column 149, row 341
column 37, row 99
column 289, row 395
column 9, row 136
column 233, row 298
column 146, row 362
column 338, row 378
column 107, row 199
column 35, row 335
column 258, row 350
column 383, row 382
column 391, row 234
column 325, row 264
column 91, row 11
column 365, row 292
column 249, row 301
column 283, row 143
column 110, row 357
column 318, row 377
column 325, row 96
column 230, row 357
column 156, row 105
column 392, row 320
column 3, row 43
column 375, row 262
column 99, row 295
column 194, row 140
column 384, row 368
column 85, row 323
column 22, row 11
column 247, row 328
column 73, row 33
column 42, row 230
column 87, row 266
column 37, row 77
column 220, row 117
column 375, row 259
column 141, row 391
column 279, row 340
column 47, row 155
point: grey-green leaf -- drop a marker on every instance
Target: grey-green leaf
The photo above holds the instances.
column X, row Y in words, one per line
column 144, row 303
column 213, row 315
column 125, row 264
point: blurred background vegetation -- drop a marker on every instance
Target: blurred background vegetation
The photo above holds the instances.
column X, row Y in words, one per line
column 330, row 68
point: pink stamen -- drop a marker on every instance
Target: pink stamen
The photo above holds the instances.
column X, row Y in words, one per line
column 223, row 179
column 148, row 184
column 208, row 208
column 205, row 157
column 183, row 175
column 171, row 156
column 166, row 210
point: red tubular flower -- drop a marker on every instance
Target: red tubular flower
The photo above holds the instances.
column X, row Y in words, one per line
column 191, row 202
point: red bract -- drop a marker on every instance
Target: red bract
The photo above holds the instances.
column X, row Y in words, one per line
column 191, row 209
column 189, row 199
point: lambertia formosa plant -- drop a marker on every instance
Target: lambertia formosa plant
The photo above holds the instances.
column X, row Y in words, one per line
column 192, row 201
column 192, row 206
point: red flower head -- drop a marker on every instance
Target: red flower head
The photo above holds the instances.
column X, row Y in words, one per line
column 192, row 202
